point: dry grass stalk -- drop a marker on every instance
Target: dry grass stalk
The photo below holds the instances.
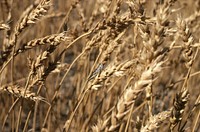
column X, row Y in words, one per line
column 38, row 12
column 39, row 71
column 178, row 109
column 129, row 96
column 53, row 40
column 19, row 92
column 188, row 40
column 4, row 26
column 117, row 70
column 153, row 38
column 155, row 121
column 30, row 16
column 100, row 77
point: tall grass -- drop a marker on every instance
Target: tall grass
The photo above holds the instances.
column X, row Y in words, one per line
column 99, row 65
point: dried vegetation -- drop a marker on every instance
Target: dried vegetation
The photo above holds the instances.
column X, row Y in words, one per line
column 99, row 65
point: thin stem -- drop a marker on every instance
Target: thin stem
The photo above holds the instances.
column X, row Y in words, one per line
column 184, row 87
column 19, row 118
column 13, row 105
column 35, row 115
column 26, row 123
column 4, row 66
column 196, row 121
column 68, row 122
column 129, row 119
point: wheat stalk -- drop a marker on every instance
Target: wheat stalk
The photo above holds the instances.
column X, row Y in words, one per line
column 129, row 96
column 179, row 105
column 30, row 16
column 155, row 121
column 53, row 40
column 19, row 92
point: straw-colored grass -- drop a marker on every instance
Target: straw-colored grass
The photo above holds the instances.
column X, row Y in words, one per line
column 99, row 65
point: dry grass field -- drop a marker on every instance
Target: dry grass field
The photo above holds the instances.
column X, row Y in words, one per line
column 99, row 65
